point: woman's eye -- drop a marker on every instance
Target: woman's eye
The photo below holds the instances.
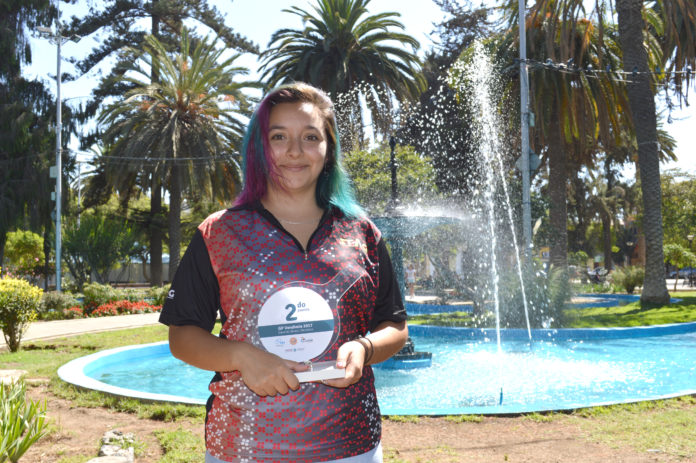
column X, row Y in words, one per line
column 277, row 136
column 312, row 137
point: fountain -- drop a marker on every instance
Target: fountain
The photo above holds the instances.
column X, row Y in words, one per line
column 395, row 227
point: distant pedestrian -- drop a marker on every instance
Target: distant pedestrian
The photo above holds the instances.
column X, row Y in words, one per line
column 411, row 280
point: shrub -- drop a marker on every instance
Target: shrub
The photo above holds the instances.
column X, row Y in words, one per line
column 19, row 301
column 158, row 294
column 24, row 251
column 628, row 277
column 131, row 294
column 97, row 294
column 22, row 421
column 547, row 297
column 594, row 288
column 73, row 312
column 55, row 302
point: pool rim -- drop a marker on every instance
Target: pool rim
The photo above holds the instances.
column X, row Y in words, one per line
column 73, row 372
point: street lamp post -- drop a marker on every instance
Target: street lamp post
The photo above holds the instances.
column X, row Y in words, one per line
column 524, row 115
column 57, row 38
column 396, row 243
column 392, row 167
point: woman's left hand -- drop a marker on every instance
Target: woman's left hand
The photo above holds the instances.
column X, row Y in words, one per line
column 383, row 342
column 351, row 355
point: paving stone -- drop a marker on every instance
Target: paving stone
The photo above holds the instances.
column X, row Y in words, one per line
column 11, row 376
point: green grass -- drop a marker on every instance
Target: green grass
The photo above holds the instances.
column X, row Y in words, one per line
column 462, row 319
column 545, row 417
column 180, row 446
column 464, row 418
column 146, row 410
column 665, row 427
column 75, row 459
column 633, row 315
column 403, row 418
column 41, row 359
column 392, row 456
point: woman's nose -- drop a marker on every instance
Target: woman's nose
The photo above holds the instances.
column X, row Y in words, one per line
column 294, row 146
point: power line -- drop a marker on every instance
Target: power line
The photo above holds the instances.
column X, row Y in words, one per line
column 571, row 68
column 207, row 160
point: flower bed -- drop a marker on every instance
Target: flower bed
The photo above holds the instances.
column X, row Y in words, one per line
column 121, row 307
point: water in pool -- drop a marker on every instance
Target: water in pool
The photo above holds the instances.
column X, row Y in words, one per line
column 467, row 377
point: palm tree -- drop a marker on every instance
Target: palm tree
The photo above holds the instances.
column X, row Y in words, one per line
column 604, row 200
column 576, row 112
column 182, row 128
column 121, row 30
column 642, row 104
column 345, row 53
column 679, row 43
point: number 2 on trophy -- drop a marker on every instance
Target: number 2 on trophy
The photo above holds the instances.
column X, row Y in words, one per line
column 290, row 316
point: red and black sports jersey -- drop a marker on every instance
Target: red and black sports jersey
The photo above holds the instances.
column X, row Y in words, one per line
column 238, row 259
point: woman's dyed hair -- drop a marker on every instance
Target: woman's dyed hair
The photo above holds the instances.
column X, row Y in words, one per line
column 333, row 186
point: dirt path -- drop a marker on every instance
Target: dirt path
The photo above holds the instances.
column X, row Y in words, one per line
column 77, row 432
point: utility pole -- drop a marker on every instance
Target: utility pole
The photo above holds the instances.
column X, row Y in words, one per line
column 58, row 39
column 524, row 115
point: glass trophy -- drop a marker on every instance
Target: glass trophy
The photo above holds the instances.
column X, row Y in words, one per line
column 299, row 321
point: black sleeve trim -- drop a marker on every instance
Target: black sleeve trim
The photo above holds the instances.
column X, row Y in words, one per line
column 194, row 296
column 389, row 305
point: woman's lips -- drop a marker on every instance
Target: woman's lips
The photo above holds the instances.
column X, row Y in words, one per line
column 294, row 168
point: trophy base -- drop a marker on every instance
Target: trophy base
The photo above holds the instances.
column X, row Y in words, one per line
column 320, row 371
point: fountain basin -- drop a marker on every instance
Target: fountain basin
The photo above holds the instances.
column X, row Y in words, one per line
column 407, row 361
column 562, row 369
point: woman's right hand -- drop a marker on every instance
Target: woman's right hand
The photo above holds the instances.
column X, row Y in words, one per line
column 267, row 374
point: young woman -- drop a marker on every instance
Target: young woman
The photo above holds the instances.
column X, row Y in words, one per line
column 298, row 274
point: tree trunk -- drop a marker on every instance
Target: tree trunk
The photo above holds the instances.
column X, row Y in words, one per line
column 156, row 232
column 606, row 238
column 3, row 238
column 642, row 104
column 558, row 208
column 174, row 219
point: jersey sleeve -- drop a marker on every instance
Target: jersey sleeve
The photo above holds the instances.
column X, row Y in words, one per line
column 194, row 296
column 389, row 305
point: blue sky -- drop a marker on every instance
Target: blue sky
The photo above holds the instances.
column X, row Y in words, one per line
column 258, row 19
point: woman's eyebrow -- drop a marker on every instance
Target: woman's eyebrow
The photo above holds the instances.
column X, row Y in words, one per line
column 281, row 127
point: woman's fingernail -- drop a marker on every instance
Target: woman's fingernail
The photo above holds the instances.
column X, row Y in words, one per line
column 340, row 364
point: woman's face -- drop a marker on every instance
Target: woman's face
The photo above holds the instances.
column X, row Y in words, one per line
column 298, row 145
